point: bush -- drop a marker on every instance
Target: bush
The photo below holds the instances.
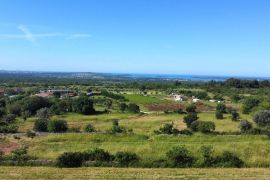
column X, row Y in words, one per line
column 245, row 126
column 20, row 155
column 203, row 126
column 208, row 157
column 41, row 125
column 190, row 118
column 15, row 109
column 10, row 118
column 262, row 118
column 185, row 132
column 229, row 160
column 83, row 105
column 221, row 108
column 126, row 159
column 235, row 115
column 43, row 114
column 70, row 160
column 180, row 157
column 123, row 107
column 167, row 129
column 89, row 128
column 219, row 115
column 116, row 128
column 249, row 104
column 8, row 128
column 74, row 130
column 191, row 108
column 98, row 155
column 57, row 126
column 134, row 108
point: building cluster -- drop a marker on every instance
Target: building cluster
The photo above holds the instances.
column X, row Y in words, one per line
column 56, row 93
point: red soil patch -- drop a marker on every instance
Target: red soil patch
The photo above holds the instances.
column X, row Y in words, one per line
column 9, row 147
column 176, row 106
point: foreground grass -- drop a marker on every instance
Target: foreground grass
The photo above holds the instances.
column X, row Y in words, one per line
column 254, row 150
column 131, row 173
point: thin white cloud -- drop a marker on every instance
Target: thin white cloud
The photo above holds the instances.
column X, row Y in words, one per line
column 28, row 35
column 78, row 36
column 32, row 37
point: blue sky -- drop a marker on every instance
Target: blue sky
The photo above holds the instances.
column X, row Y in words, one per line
column 203, row 37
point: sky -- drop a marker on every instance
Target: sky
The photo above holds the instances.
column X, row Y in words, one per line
column 193, row 37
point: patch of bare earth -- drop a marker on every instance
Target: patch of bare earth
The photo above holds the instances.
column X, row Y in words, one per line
column 7, row 148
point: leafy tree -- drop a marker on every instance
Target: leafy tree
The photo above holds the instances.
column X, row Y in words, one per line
column 116, row 128
column 83, row 105
column 235, row 115
column 43, row 114
column 221, row 108
column 41, row 125
column 219, row 115
column 34, row 103
column 190, row 118
column 134, row 108
column 262, row 118
column 180, row 157
column 203, row 126
column 15, row 108
column 57, row 126
column 249, row 104
column 191, row 108
column 208, row 157
column 10, row 118
column 123, row 107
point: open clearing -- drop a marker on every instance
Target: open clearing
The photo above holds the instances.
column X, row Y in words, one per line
column 131, row 173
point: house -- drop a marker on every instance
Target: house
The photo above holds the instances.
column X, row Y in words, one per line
column 195, row 100
column 178, row 98
column 212, row 100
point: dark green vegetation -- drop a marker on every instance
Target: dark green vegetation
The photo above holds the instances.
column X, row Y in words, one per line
column 128, row 123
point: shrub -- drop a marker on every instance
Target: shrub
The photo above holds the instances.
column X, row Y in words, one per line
column 20, row 155
column 116, row 128
column 190, row 118
column 262, row 118
column 185, row 132
column 134, row 108
column 70, row 160
column 235, row 115
column 43, row 114
column 83, row 105
column 15, row 109
column 249, row 104
column 191, row 108
column 123, row 107
column 203, row 126
column 99, row 155
column 10, row 118
column 89, row 128
column 167, row 129
column 221, row 108
column 57, row 126
column 228, row 159
column 180, row 157
column 245, row 126
column 208, row 157
column 126, row 159
column 219, row 115
column 8, row 128
column 41, row 125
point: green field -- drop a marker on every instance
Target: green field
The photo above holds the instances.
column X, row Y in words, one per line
column 131, row 173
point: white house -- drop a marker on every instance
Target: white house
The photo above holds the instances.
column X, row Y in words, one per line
column 195, row 100
column 177, row 97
